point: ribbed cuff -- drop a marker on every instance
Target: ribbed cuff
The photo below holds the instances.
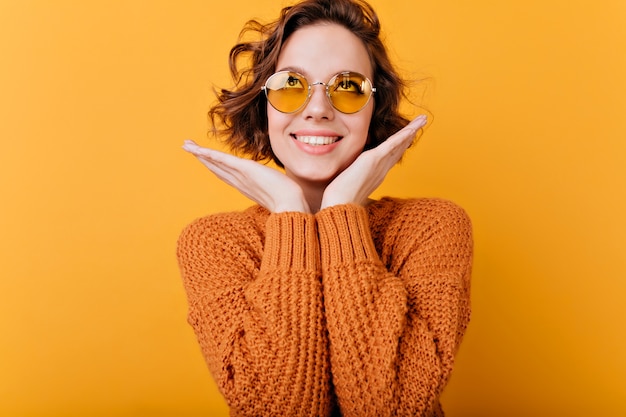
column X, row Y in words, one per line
column 345, row 235
column 291, row 241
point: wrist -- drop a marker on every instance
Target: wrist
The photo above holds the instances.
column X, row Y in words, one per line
column 296, row 203
column 330, row 200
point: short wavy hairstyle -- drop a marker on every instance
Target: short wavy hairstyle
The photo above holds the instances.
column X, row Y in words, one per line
column 240, row 114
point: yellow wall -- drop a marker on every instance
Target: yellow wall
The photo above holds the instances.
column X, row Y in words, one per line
column 96, row 98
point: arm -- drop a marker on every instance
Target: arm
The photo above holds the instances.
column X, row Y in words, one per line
column 394, row 327
column 257, row 312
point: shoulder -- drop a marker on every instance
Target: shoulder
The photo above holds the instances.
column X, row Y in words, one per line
column 404, row 226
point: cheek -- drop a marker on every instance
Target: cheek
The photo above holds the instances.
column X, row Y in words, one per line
column 276, row 121
column 277, row 125
column 271, row 120
column 362, row 125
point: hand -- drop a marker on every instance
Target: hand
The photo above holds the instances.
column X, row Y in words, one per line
column 367, row 172
column 264, row 185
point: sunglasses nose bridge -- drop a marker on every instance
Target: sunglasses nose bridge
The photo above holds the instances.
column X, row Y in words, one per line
column 319, row 83
column 325, row 90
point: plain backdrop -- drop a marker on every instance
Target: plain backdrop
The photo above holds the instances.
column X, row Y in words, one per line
column 529, row 136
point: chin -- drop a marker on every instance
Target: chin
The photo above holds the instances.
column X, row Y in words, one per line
column 315, row 177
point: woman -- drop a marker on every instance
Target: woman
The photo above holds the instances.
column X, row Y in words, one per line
column 319, row 301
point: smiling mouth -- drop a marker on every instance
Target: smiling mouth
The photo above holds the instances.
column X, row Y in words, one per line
column 317, row 140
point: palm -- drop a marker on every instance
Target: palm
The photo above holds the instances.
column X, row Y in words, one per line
column 264, row 185
column 367, row 172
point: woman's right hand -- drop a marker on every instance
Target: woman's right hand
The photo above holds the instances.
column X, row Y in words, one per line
column 264, row 185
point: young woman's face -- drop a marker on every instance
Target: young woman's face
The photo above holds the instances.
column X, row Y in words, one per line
column 319, row 52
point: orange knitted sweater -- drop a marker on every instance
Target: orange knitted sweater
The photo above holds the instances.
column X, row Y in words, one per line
column 353, row 311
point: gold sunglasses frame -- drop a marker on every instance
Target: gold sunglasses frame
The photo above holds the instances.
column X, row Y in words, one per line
column 327, row 85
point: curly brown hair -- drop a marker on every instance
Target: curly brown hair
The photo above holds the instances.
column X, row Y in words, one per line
column 240, row 115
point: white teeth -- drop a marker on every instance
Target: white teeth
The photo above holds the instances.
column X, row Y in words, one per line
column 317, row 140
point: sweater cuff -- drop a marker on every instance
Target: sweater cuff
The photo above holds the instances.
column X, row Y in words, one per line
column 291, row 241
column 345, row 234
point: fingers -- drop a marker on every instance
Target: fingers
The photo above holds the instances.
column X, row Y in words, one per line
column 409, row 131
column 197, row 150
column 189, row 145
column 393, row 148
column 213, row 158
column 405, row 135
column 418, row 123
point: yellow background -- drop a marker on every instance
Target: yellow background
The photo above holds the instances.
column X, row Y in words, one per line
column 96, row 98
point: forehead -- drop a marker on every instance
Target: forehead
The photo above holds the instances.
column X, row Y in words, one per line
column 324, row 49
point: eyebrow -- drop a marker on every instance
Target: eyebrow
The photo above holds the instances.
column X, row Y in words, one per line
column 294, row 69
column 302, row 71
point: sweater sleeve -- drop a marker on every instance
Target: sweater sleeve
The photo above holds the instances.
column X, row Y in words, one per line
column 394, row 327
column 257, row 312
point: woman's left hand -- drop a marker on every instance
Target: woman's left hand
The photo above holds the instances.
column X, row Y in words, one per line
column 367, row 172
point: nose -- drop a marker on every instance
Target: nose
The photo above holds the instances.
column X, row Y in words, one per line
column 319, row 106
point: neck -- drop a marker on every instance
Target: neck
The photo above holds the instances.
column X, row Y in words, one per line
column 313, row 193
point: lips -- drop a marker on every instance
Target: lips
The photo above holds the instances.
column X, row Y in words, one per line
column 316, row 137
column 315, row 140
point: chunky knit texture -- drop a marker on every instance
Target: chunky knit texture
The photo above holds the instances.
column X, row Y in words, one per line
column 353, row 311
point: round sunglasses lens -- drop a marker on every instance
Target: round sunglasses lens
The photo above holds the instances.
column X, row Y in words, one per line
column 286, row 91
column 349, row 91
